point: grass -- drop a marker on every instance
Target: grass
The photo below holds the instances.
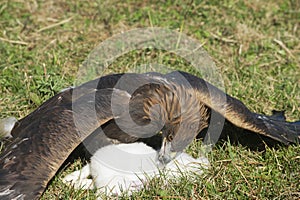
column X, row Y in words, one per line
column 255, row 45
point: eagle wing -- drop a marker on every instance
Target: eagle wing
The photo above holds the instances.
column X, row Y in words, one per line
column 44, row 139
column 238, row 114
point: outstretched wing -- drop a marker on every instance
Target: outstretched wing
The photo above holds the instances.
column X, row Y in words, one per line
column 238, row 114
column 66, row 97
column 44, row 139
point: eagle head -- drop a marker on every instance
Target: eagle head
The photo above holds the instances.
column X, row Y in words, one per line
column 175, row 110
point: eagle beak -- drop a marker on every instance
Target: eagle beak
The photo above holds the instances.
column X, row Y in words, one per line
column 165, row 154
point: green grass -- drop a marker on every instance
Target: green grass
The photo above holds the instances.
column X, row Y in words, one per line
column 255, row 45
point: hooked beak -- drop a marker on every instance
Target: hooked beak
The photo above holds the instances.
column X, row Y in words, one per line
column 165, row 154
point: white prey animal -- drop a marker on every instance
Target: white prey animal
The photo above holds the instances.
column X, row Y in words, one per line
column 127, row 167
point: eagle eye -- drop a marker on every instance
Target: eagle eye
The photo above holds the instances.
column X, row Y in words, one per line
column 170, row 137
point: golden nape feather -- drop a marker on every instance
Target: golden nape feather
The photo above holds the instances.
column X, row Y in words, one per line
column 125, row 108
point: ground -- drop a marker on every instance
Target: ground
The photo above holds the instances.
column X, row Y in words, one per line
column 255, row 45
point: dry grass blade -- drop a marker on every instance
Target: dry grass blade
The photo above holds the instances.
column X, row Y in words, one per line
column 283, row 46
column 13, row 41
column 55, row 24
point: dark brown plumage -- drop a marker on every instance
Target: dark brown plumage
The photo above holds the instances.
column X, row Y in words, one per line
column 123, row 108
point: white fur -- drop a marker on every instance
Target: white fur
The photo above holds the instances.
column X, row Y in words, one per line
column 127, row 167
column 6, row 125
column 79, row 179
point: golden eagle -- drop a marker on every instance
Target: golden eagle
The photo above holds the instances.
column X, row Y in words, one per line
column 125, row 108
